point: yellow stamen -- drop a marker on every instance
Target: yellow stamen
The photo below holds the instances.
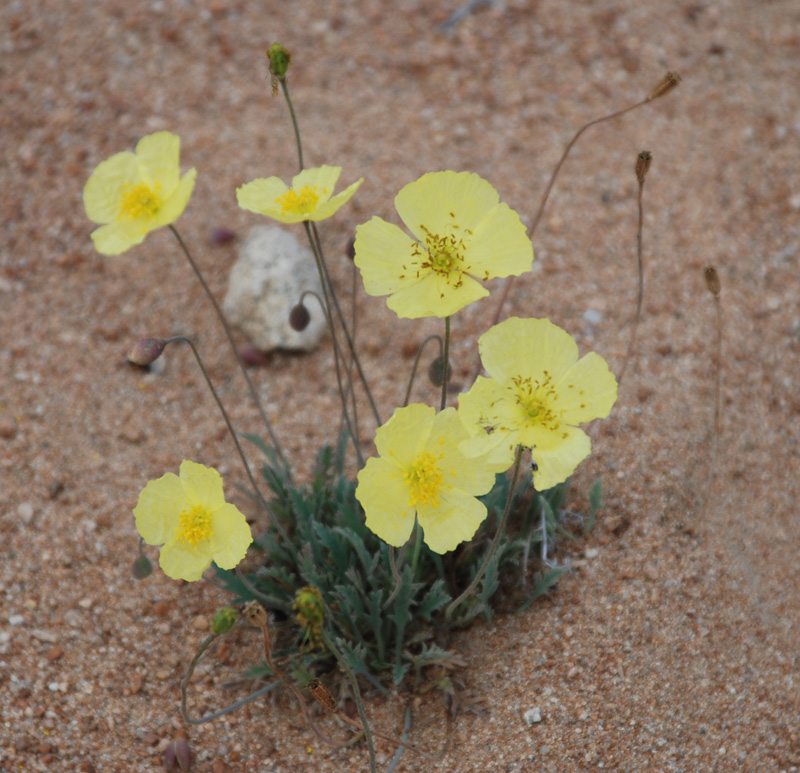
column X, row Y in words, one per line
column 536, row 399
column 139, row 200
column 424, row 480
column 195, row 525
column 302, row 202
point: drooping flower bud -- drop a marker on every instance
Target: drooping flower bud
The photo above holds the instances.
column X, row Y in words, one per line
column 146, row 351
column 142, row 567
column 224, row 619
column 436, row 372
column 299, row 317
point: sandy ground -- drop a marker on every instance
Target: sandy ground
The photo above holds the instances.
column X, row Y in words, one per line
column 675, row 647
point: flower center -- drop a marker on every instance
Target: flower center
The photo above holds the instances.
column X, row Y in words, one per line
column 424, row 480
column 195, row 525
column 441, row 253
column 536, row 398
column 302, row 202
column 139, row 200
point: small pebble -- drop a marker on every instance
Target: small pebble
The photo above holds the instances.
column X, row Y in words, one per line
column 532, row 716
column 592, row 316
column 591, row 552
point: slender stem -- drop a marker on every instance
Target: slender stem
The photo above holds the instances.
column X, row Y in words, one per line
column 328, row 642
column 228, row 424
column 445, row 363
column 229, row 334
column 546, row 195
column 495, row 542
column 417, row 547
column 285, row 87
column 337, row 354
column 316, row 246
column 640, row 266
column 395, row 574
column 416, row 364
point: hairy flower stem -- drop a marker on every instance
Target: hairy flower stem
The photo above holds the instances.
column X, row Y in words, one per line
column 316, row 246
column 228, row 424
column 416, row 364
column 445, row 363
column 229, row 334
column 337, row 353
column 285, row 89
column 495, row 542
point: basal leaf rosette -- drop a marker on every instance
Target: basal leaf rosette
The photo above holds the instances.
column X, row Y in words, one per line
column 189, row 517
column 310, row 196
column 537, row 395
column 420, row 474
column 461, row 236
column 131, row 194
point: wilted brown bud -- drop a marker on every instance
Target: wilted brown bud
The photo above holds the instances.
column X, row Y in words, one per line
column 436, row 372
column 178, row 755
column 665, row 85
column 299, row 317
column 255, row 614
column 712, row 281
column 145, row 351
column 643, row 165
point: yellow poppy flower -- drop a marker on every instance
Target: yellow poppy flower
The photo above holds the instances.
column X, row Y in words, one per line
column 537, row 394
column 421, row 474
column 131, row 194
column 462, row 235
column 309, row 198
column 188, row 515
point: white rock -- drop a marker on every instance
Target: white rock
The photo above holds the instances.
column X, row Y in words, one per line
column 532, row 716
column 272, row 271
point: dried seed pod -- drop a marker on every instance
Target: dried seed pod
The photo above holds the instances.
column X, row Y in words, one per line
column 665, row 85
column 322, row 694
column 712, row 281
column 255, row 614
column 643, row 161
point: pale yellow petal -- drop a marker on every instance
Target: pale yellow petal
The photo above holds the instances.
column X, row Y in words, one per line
column 231, row 536
column 499, row 245
column 455, row 520
column 321, row 178
column 158, row 159
column 173, row 207
column 260, row 196
column 403, row 437
column 158, row 510
column 432, row 296
column 116, row 238
column 587, row 390
column 384, row 496
column 381, row 250
column 103, row 191
column 527, row 348
column 327, row 208
column 438, row 200
column 203, row 485
column 555, row 465
column 181, row 561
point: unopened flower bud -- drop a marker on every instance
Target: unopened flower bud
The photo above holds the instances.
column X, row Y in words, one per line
column 665, row 85
column 436, row 372
column 309, row 607
column 224, row 619
column 643, row 165
column 142, row 567
column 350, row 250
column 178, row 755
column 712, row 281
column 279, row 60
column 145, row 351
column 299, row 317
